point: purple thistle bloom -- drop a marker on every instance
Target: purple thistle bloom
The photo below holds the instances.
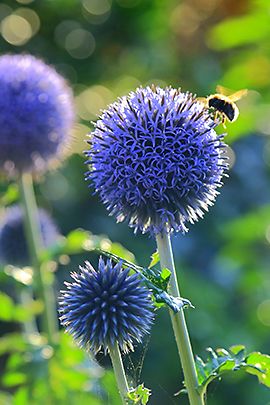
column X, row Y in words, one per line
column 13, row 246
column 106, row 306
column 156, row 160
column 36, row 114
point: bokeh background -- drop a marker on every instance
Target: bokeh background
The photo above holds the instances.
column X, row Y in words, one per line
column 105, row 48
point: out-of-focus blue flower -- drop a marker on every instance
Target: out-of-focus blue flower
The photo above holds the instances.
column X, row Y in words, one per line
column 36, row 114
column 13, row 245
column 156, row 160
column 106, row 306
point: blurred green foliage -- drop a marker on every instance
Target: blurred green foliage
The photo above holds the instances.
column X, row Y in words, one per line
column 105, row 48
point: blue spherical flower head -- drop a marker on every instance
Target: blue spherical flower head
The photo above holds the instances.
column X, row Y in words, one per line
column 106, row 306
column 36, row 114
column 13, row 246
column 156, row 160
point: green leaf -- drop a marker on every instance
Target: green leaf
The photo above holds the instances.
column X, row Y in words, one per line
column 108, row 383
column 26, row 311
column 80, row 240
column 262, row 362
column 21, row 397
column 10, row 195
column 14, row 378
column 239, row 351
column 156, row 281
column 175, row 303
column 236, row 349
column 7, row 307
column 238, row 31
column 154, row 259
column 222, row 361
column 12, row 342
column 15, row 312
column 120, row 250
column 139, row 395
column 165, row 277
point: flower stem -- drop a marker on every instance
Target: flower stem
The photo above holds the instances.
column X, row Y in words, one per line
column 119, row 372
column 42, row 288
column 179, row 323
column 29, row 326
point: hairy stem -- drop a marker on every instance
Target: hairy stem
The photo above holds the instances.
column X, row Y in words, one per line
column 42, row 288
column 119, row 372
column 179, row 323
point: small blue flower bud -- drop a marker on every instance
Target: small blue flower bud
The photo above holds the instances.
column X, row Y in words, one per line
column 106, row 306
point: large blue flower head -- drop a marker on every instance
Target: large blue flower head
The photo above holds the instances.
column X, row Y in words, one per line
column 106, row 306
column 156, row 160
column 36, row 114
column 13, row 246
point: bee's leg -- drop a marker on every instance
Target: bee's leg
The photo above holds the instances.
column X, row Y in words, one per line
column 224, row 120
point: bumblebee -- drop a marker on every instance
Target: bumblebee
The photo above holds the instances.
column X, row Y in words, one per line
column 224, row 104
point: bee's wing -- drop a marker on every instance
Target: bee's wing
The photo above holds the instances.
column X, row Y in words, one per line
column 238, row 94
column 229, row 93
column 223, row 90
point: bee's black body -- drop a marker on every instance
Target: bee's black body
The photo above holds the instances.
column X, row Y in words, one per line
column 223, row 105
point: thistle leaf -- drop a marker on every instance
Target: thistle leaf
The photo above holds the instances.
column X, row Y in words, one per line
column 157, row 281
column 139, row 395
column 154, row 259
column 222, row 361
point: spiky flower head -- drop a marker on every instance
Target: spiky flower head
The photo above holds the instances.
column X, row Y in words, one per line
column 156, row 160
column 13, row 246
column 36, row 114
column 106, row 306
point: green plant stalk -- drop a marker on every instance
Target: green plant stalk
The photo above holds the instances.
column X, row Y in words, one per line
column 42, row 288
column 179, row 323
column 29, row 327
column 119, row 372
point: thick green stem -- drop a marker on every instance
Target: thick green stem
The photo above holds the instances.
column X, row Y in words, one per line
column 119, row 372
column 179, row 323
column 42, row 288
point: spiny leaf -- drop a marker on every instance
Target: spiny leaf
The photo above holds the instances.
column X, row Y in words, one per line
column 175, row 303
column 262, row 362
column 154, row 259
column 139, row 395
column 157, row 281
column 165, row 277
column 233, row 359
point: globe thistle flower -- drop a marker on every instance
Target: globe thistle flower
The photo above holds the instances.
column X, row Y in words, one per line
column 36, row 114
column 156, row 160
column 13, row 245
column 106, row 306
